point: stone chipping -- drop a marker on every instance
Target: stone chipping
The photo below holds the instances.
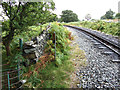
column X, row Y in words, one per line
column 100, row 72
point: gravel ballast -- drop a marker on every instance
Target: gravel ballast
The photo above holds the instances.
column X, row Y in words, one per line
column 100, row 72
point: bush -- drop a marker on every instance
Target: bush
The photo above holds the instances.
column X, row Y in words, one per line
column 62, row 42
column 106, row 27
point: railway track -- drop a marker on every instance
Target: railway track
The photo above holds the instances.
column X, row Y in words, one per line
column 102, row 68
column 114, row 46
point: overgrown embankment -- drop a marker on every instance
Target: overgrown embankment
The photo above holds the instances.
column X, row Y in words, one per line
column 106, row 27
column 49, row 71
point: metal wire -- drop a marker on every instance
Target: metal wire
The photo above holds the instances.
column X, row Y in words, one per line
column 4, row 64
column 15, row 83
column 16, row 76
column 19, row 87
column 7, row 64
column 6, row 70
column 1, row 75
column 3, row 80
column 12, row 71
column 5, row 85
column 15, row 70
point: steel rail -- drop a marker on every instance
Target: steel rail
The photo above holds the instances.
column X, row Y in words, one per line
column 115, row 47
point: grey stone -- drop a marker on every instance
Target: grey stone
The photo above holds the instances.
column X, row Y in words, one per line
column 73, row 59
column 29, row 50
column 30, row 56
column 33, row 49
column 29, row 43
column 107, row 53
column 97, row 43
column 101, row 70
column 78, row 85
column 101, row 47
column 83, row 81
column 35, row 45
column 77, row 74
column 37, row 53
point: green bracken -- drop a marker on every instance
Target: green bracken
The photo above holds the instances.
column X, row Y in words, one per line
column 106, row 27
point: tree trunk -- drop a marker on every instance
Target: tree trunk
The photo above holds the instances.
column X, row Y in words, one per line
column 6, row 42
column 7, row 47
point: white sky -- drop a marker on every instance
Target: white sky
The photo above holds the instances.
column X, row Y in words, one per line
column 96, row 8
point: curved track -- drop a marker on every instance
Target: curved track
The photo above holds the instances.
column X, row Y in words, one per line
column 112, row 45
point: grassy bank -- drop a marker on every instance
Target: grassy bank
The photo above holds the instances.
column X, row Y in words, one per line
column 51, row 72
column 106, row 27
column 48, row 72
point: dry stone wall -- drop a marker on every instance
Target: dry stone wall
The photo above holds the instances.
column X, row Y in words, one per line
column 33, row 49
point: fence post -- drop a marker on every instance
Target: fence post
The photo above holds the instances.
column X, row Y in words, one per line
column 21, row 44
column 55, row 45
column 18, row 70
column 40, row 27
column 8, row 80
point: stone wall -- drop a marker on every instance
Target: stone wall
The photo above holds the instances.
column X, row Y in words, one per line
column 33, row 49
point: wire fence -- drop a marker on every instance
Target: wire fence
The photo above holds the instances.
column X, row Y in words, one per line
column 12, row 76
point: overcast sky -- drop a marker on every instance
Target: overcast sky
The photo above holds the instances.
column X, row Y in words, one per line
column 96, row 8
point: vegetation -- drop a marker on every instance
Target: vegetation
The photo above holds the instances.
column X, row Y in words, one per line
column 53, row 17
column 62, row 41
column 51, row 72
column 48, row 72
column 21, row 16
column 69, row 16
column 108, row 15
column 50, row 76
column 106, row 27
column 53, row 69
column 78, row 58
column 118, row 15
column 16, row 53
column 24, row 18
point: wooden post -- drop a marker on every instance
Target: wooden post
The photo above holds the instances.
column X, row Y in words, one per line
column 21, row 44
column 8, row 80
column 40, row 27
column 18, row 71
column 55, row 45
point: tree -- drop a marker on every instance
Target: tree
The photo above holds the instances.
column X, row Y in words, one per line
column 53, row 17
column 21, row 15
column 88, row 17
column 117, row 15
column 69, row 16
column 109, row 15
column 103, row 17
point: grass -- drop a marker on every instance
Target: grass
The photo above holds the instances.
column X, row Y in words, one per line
column 78, row 60
column 16, row 54
column 102, row 26
column 52, row 76
column 45, row 73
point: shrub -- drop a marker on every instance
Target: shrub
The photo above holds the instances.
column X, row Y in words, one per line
column 63, row 37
